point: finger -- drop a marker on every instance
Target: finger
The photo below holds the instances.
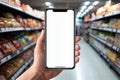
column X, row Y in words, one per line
column 76, row 59
column 77, row 47
column 77, row 53
column 77, row 39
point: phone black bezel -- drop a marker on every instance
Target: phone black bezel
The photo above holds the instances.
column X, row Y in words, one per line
column 57, row 10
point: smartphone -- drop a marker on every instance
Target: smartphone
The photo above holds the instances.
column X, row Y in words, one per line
column 60, row 43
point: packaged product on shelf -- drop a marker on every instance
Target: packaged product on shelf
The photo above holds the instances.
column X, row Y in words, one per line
column 18, row 3
column 29, row 22
column 32, row 36
column 104, row 23
column 29, row 9
column 11, row 2
column 107, row 6
column 2, row 23
column 22, row 39
column 10, row 21
column 2, row 77
column 14, row 42
column 26, row 55
column 24, row 7
column 117, row 40
column 5, row 47
column 110, row 39
column 100, row 12
column 93, row 15
column 20, row 20
column 12, row 47
column 114, row 8
column 112, row 55
column 117, row 62
column 11, row 67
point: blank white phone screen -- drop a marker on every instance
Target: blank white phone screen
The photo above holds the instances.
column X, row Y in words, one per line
column 60, row 39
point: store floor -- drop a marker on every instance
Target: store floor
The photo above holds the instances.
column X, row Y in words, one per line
column 90, row 67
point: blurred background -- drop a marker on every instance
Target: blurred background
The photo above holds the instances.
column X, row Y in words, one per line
column 97, row 22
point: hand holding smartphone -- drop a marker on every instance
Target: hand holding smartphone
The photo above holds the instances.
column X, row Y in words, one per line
column 60, row 38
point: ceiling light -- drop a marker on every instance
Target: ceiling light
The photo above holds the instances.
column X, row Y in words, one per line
column 51, row 7
column 47, row 3
column 78, row 14
column 90, row 7
column 95, row 2
column 87, row 3
column 83, row 7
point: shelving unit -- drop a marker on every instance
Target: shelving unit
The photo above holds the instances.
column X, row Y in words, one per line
column 13, row 29
column 19, row 51
column 106, row 16
column 21, row 69
column 106, row 43
column 103, row 41
column 8, row 7
column 117, row 69
column 106, row 29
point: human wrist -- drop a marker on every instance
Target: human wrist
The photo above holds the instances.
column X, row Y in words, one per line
column 38, row 72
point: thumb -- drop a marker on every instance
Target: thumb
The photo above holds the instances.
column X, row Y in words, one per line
column 39, row 52
column 40, row 41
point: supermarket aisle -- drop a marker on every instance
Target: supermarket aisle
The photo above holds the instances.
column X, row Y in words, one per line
column 90, row 67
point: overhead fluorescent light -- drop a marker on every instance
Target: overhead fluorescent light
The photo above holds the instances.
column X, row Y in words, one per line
column 51, row 7
column 83, row 7
column 78, row 14
column 81, row 10
column 90, row 7
column 87, row 3
column 47, row 3
column 95, row 2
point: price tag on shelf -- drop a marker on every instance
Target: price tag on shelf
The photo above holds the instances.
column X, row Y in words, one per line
column 12, row 29
column 26, row 47
column 12, row 78
column 105, row 57
column 114, row 47
column 114, row 30
column 118, row 31
column 3, row 59
column 21, row 50
column 7, row 29
column 107, row 15
column 18, row 52
column 9, row 57
column 15, row 75
column 115, row 13
column 28, row 28
column 107, row 29
column 21, row 69
column 100, row 28
column 3, row 29
column 109, row 44
column 118, row 49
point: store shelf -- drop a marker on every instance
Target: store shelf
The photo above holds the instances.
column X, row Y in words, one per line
column 13, row 29
column 106, row 43
column 106, row 16
column 116, row 68
column 21, row 69
column 4, row 5
column 106, row 29
column 19, row 51
column 35, row 28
